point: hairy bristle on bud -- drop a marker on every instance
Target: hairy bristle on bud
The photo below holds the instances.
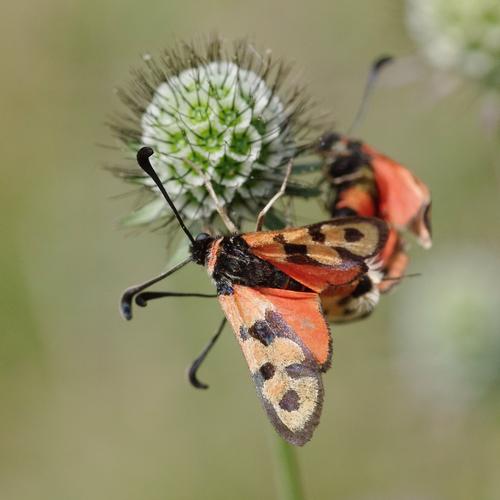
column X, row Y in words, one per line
column 212, row 111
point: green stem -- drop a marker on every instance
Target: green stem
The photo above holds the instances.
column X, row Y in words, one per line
column 286, row 470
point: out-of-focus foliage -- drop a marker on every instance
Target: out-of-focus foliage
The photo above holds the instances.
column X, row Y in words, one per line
column 93, row 407
column 461, row 41
column 454, row 348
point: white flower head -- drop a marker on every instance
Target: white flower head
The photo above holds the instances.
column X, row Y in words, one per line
column 462, row 36
column 217, row 113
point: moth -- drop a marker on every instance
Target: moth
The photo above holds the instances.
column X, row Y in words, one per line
column 367, row 183
column 358, row 299
column 268, row 284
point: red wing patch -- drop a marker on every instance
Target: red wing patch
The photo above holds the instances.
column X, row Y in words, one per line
column 302, row 311
column 404, row 200
column 286, row 343
column 321, row 255
column 394, row 262
column 358, row 199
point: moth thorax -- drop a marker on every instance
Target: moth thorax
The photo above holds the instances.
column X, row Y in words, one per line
column 201, row 248
column 347, row 162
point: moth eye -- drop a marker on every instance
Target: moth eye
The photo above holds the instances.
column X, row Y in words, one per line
column 328, row 140
column 202, row 236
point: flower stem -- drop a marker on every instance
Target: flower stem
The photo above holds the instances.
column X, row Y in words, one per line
column 286, row 470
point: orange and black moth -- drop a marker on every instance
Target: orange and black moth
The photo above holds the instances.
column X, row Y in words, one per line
column 268, row 284
column 366, row 183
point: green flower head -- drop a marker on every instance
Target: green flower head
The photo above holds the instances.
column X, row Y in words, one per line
column 216, row 112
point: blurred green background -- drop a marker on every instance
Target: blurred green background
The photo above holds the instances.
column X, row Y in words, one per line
column 92, row 407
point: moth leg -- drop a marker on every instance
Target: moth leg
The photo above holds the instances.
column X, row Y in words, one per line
column 128, row 295
column 275, row 198
column 401, row 278
column 192, row 371
column 143, row 298
column 218, row 205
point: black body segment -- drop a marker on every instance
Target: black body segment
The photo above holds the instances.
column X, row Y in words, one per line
column 236, row 265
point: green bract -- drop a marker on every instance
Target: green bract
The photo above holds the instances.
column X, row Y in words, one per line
column 217, row 114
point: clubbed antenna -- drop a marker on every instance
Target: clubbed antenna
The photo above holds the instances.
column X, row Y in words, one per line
column 143, row 160
column 375, row 69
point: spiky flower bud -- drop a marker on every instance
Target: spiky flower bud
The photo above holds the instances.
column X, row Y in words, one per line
column 462, row 36
column 217, row 113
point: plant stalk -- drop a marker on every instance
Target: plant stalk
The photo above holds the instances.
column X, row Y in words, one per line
column 287, row 471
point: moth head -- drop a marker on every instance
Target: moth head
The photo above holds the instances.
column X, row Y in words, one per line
column 201, row 247
column 327, row 142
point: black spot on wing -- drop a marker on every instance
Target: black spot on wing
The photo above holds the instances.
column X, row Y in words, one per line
column 316, row 234
column 381, row 226
column 262, row 331
column 299, row 370
column 297, row 254
column 279, row 238
column 294, row 249
column 267, row 371
column 352, row 235
column 308, row 368
column 290, row 401
column 347, row 255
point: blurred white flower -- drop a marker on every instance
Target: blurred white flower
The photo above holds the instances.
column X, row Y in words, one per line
column 448, row 329
column 462, row 36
